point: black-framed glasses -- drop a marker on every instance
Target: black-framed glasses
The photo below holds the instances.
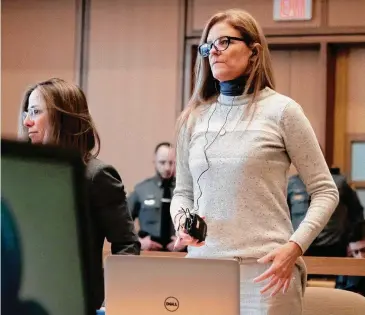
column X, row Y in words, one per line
column 32, row 112
column 220, row 44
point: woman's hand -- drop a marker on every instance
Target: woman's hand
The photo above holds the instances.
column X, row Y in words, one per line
column 281, row 271
column 174, row 246
column 185, row 239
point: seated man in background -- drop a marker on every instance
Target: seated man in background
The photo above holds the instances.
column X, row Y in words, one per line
column 150, row 203
column 357, row 250
column 334, row 238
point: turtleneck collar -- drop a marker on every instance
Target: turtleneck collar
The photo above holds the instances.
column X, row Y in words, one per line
column 233, row 87
column 226, row 100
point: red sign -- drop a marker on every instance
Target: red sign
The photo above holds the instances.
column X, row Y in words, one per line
column 292, row 9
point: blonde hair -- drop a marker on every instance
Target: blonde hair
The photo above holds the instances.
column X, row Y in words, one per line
column 259, row 69
column 69, row 117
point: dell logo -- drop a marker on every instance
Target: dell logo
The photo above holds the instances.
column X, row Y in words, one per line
column 171, row 304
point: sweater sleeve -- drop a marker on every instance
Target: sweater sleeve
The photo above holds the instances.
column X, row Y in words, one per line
column 183, row 196
column 305, row 153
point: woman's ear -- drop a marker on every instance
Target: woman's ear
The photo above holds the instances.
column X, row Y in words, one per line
column 254, row 51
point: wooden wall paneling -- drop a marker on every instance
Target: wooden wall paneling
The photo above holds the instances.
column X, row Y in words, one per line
column 356, row 89
column 315, row 39
column 328, row 17
column 133, row 80
column 183, row 13
column 354, row 119
column 322, row 92
column 315, row 31
column 281, row 68
column 330, row 101
column 35, row 46
column 340, row 108
column 190, row 59
column 306, row 88
column 201, row 10
column 346, row 13
column 84, row 7
column 324, row 13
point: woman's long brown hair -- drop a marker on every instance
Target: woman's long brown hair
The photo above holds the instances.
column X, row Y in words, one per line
column 70, row 120
column 259, row 71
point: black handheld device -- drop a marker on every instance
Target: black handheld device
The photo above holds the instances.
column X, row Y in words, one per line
column 196, row 227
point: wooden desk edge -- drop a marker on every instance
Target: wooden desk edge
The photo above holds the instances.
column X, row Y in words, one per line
column 315, row 265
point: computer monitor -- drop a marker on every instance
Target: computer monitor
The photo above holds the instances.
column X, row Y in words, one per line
column 44, row 232
column 164, row 285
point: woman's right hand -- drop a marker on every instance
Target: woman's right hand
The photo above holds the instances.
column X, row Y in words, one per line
column 184, row 239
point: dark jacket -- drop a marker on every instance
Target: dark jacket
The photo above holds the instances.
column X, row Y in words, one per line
column 351, row 283
column 110, row 219
column 145, row 204
column 348, row 212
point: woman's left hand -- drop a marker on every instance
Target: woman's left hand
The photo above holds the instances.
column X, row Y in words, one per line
column 281, row 271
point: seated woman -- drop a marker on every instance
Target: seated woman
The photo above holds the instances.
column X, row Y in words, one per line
column 56, row 112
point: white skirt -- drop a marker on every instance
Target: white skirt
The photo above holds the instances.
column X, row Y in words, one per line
column 255, row 303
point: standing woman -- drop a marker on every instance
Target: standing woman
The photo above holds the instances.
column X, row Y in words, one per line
column 56, row 112
column 236, row 141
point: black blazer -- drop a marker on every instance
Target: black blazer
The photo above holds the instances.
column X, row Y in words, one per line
column 110, row 219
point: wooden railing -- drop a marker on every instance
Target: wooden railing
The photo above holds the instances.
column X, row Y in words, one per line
column 335, row 266
column 315, row 265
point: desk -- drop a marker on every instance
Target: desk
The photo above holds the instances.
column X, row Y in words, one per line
column 315, row 265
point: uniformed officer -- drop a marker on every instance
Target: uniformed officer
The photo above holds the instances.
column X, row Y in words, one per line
column 150, row 203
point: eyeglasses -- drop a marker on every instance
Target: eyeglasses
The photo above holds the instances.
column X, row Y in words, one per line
column 220, row 44
column 32, row 112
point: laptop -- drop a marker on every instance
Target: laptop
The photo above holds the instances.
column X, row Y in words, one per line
column 164, row 285
column 44, row 232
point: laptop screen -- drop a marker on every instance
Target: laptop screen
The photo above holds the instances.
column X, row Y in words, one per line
column 41, row 260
